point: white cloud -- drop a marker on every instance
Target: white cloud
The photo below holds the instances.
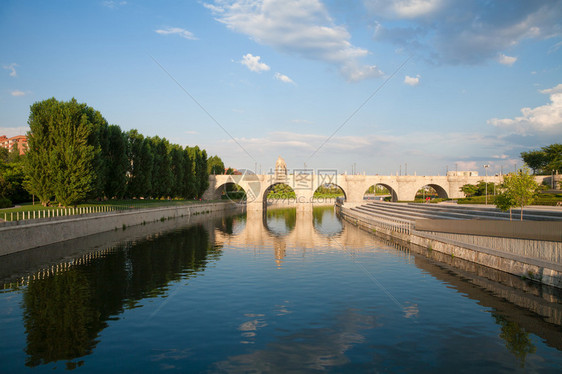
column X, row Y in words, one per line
column 506, row 60
column 467, row 165
column 17, row 93
column 377, row 152
column 553, row 90
column 176, row 31
column 298, row 27
column 463, row 32
column 191, row 132
column 501, row 157
column 253, row 63
column 555, row 47
column 283, row 78
column 113, row 4
column 303, row 121
column 13, row 131
column 12, row 68
column 412, row 81
column 405, row 8
column 545, row 118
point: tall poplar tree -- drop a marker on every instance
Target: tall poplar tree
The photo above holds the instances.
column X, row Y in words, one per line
column 178, row 169
column 71, row 160
column 38, row 170
column 116, row 163
column 188, row 184
column 161, row 173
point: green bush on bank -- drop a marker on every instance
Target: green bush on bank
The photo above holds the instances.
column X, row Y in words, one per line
column 433, row 201
column 5, row 202
column 541, row 199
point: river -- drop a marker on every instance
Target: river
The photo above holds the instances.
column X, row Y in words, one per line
column 280, row 292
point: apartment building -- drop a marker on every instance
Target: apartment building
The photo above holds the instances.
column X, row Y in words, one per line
column 10, row 143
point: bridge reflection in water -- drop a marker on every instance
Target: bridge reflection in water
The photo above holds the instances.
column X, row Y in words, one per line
column 103, row 283
column 307, row 229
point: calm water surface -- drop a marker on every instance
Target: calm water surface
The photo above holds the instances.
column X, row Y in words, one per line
column 282, row 292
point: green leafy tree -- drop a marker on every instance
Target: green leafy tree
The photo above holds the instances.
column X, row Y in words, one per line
column 536, row 160
column 116, row 163
column 72, row 158
column 546, row 160
column 162, row 178
column 139, row 175
column 38, row 171
column 554, row 158
column 99, row 140
column 201, row 175
column 5, row 186
column 469, row 189
column 178, row 170
column 215, row 166
column 4, row 153
column 505, row 202
column 521, row 187
column 14, row 156
column 188, row 185
column 66, row 143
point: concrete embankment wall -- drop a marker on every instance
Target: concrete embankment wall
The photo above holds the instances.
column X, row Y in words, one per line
column 539, row 260
column 533, row 230
column 16, row 238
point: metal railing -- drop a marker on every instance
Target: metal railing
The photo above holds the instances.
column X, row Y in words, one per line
column 374, row 220
column 56, row 212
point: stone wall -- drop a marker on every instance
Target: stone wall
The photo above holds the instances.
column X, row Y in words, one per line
column 518, row 262
column 31, row 235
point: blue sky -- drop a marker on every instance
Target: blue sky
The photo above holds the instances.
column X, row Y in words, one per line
column 456, row 84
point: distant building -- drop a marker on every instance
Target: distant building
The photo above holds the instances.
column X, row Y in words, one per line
column 462, row 173
column 10, row 143
column 280, row 169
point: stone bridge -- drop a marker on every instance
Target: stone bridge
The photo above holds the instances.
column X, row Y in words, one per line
column 402, row 188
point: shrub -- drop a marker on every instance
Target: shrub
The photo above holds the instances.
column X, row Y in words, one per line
column 5, row 202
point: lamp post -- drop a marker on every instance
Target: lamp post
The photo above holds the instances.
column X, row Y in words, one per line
column 486, row 169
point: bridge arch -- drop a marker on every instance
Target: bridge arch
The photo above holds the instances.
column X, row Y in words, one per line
column 332, row 186
column 231, row 190
column 441, row 191
column 392, row 191
column 286, row 195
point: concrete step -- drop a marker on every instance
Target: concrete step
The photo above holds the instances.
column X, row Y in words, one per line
column 442, row 214
column 402, row 211
column 461, row 212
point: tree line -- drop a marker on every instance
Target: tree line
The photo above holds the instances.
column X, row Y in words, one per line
column 545, row 160
column 74, row 155
column 12, row 177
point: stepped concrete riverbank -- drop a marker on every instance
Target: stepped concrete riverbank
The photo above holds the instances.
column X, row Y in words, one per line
column 534, row 252
column 35, row 233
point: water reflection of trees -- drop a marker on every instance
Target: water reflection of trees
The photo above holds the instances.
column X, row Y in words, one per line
column 280, row 221
column 326, row 221
column 64, row 313
column 516, row 339
column 227, row 224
